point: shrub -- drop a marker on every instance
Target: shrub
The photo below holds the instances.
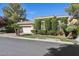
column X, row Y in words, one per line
column 71, row 28
column 2, row 30
column 78, row 30
column 63, row 25
column 63, row 19
column 37, row 24
column 54, row 24
column 34, row 31
column 9, row 29
column 52, row 32
column 42, row 32
column 16, row 26
column 47, row 23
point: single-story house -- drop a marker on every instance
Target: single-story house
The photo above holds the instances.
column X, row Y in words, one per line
column 27, row 26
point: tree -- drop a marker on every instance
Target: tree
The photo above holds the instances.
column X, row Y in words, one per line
column 73, row 9
column 14, row 12
column 62, row 25
column 72, row 29
column 16, row 28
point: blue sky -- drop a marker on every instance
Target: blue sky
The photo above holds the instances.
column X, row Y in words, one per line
column 41, row 9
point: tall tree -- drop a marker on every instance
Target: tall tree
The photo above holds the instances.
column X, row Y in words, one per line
column 73, row 10
column 14, row 12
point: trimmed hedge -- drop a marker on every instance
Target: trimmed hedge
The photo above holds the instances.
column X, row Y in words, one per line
column 63, row 19
column 47, row 23
column 52, row 32
column 34, row 31
column 37, row 24
column 54, row 24
column 78, row 30
column 42, row 32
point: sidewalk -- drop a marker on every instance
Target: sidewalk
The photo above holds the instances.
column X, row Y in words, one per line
column 13, row 35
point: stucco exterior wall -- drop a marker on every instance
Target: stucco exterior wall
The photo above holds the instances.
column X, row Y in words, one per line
column 27, row 30
column 27, row 26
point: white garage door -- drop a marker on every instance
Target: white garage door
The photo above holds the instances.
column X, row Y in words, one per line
column 27, row 30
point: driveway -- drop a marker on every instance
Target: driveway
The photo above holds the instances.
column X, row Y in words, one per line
column 17, row 47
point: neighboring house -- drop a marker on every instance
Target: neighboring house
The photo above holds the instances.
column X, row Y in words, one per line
column 27, row 26
column 2, row 23
column 42, row 18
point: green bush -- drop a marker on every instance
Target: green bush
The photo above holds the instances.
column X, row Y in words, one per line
column 63, row 25
column 2, row 30
column 54, row 24
column 49, row 26
column 16, row 26
column 52, row 32
column 42, row 32
column 34, row 31
column 47, row 23
column 9, row 29
column 78, row 30
column 71, row 28
column 63, row 19
column 37, row 24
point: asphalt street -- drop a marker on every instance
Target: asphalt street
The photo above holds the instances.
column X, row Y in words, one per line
column 19, row 47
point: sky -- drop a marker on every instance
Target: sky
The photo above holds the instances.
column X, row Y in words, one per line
column 41, row 9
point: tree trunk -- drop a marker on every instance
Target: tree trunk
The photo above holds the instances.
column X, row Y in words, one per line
column 17, row 32
column 70, row 35
column 62, row 32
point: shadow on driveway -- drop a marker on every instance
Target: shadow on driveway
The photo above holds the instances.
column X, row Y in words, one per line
column 69, row 50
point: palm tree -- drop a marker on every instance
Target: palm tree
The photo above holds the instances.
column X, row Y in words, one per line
column 73, row 11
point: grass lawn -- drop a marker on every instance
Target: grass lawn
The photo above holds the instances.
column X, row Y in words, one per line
column 61, row 38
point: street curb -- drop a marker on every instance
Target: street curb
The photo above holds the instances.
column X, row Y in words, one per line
column 44, row 40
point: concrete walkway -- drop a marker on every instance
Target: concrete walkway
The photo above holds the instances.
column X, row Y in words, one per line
column 13, row 35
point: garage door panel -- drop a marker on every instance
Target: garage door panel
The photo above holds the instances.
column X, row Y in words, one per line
column 27, row 30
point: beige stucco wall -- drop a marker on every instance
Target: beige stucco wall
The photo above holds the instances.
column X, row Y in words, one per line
column 27, row 30
column 27, row 26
